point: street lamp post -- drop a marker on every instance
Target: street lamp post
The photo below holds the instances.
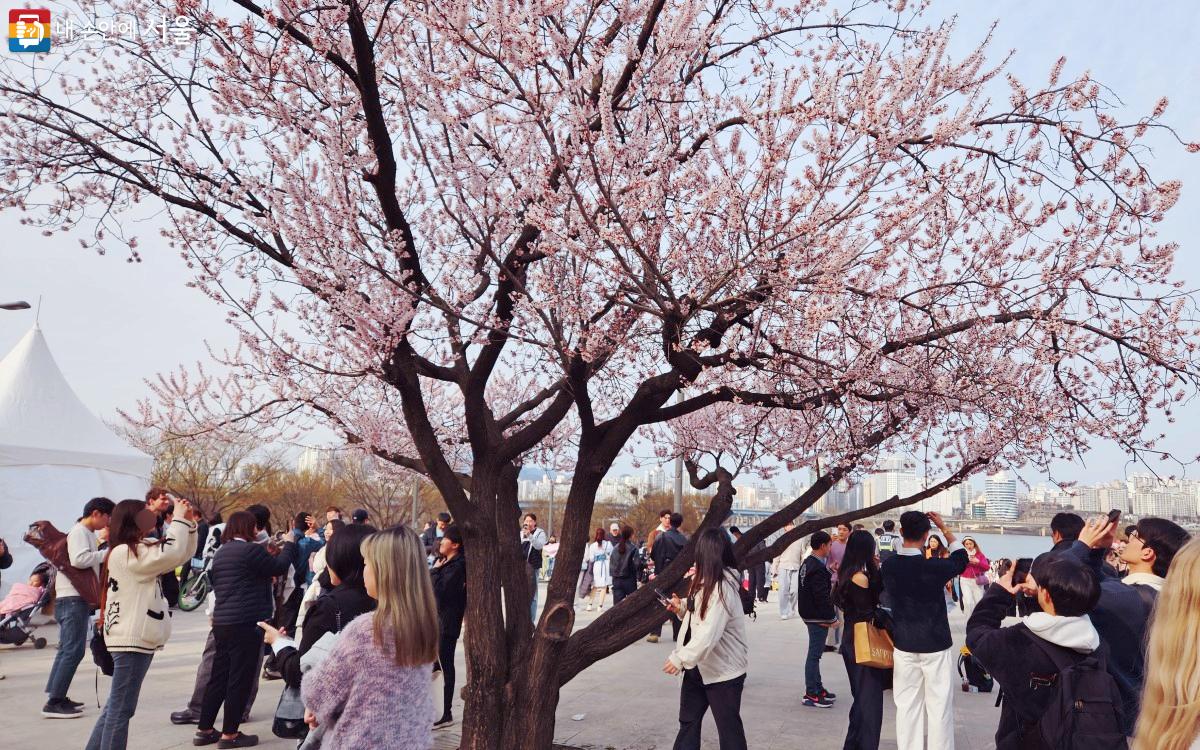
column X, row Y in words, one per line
column 19, row 305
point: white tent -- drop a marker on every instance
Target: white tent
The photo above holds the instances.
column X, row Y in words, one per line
column 54, row 453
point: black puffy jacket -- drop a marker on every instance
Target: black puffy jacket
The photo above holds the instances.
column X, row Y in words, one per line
column 241, row 581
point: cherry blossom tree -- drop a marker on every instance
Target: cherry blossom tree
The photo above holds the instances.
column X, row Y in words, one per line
column 472, row 236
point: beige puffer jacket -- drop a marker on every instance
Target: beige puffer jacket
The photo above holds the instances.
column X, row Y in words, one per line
column 135, row 610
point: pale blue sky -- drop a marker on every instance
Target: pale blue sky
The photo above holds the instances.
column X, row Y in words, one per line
column 112, row 323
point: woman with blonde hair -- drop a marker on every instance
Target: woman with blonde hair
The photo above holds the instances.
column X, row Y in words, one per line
column 373, row 690
column 1170, row 717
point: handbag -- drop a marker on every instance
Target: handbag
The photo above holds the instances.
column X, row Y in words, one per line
column 289, row 712
column 981, row 580
column 585, row 583
column 289, row 716
column 99, row 648
column 872, row 646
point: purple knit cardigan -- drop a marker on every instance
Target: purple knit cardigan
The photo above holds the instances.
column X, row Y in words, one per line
column 380, row 704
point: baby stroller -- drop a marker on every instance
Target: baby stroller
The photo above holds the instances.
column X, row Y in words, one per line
column 16, row 628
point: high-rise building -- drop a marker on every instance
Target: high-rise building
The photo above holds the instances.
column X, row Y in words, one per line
column 948, row 501
column 1001, row 493
column 843, row 497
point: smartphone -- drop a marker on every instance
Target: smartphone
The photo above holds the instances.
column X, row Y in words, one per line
column 666, row 602
column 1114, row 515
column 1022, row 570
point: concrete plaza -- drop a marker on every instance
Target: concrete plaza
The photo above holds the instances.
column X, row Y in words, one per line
column 625, row 701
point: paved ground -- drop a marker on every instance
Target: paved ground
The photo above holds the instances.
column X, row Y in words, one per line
column 626, row 702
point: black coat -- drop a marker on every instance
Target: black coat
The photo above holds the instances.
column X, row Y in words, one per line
column 429, row 538
column 814, row 600
column 241, row 581
column 667, row 547
column 916, row 587
column 627, row 565
column 1013, row 658
column 342, row 605
column 450, row 591
column 1122, row 617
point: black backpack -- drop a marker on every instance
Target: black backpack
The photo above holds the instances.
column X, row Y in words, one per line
column 973, row 672
column 1084, row 710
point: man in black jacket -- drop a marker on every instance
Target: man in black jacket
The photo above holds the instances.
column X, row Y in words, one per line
column 1122, row 615
column 1064, row 530
column 432, row 536
column 815, row 605
column 1017, row 656
column 667, row 547
column 922, row 678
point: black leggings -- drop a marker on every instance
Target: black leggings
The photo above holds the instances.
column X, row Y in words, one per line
column 234, row 670
column 447, row 645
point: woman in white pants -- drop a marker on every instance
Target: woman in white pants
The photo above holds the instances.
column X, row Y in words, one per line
column 974, row 578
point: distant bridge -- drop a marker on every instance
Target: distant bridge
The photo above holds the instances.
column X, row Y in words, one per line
column 744, row 518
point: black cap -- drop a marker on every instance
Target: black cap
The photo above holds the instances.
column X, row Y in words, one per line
column 359, row 515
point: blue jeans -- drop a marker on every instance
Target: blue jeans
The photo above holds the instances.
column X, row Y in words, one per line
column 812, row 663
column 72, row 613
column 533, row 581
column 112, row 728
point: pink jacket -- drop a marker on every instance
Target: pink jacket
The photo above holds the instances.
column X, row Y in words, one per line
column 976, row 566
column 20, row 596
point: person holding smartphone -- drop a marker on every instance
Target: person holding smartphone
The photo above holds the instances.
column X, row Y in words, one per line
column 712, row 656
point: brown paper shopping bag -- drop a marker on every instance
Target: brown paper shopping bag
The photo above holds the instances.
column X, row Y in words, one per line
column 872, row 646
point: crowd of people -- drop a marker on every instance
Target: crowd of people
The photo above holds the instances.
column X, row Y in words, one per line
column 354, row 620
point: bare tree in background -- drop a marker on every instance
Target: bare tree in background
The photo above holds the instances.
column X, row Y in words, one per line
column 214, row 471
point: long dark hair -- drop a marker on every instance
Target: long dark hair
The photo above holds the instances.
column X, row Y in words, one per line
column 714, row 554
column 123, row 527
column 859, row 557
column 626, row 535
column 941, row 550
column 343, row 554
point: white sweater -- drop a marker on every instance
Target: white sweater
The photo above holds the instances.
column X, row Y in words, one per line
column 135, row 610
column 792, row 557
column 82, row 552
column 717, row 646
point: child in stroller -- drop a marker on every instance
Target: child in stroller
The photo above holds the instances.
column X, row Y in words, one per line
column 18, row 608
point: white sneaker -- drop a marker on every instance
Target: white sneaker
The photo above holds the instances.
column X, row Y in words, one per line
column 588, row 608
column 784, row 617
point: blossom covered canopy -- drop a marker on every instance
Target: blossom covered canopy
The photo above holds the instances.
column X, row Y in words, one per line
column 466, row 232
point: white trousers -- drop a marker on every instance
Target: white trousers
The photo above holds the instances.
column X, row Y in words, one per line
column 923, row 687
column 971, row 594
column 789, row 587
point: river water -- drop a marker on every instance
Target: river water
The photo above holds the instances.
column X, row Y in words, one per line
column 1011, row 546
